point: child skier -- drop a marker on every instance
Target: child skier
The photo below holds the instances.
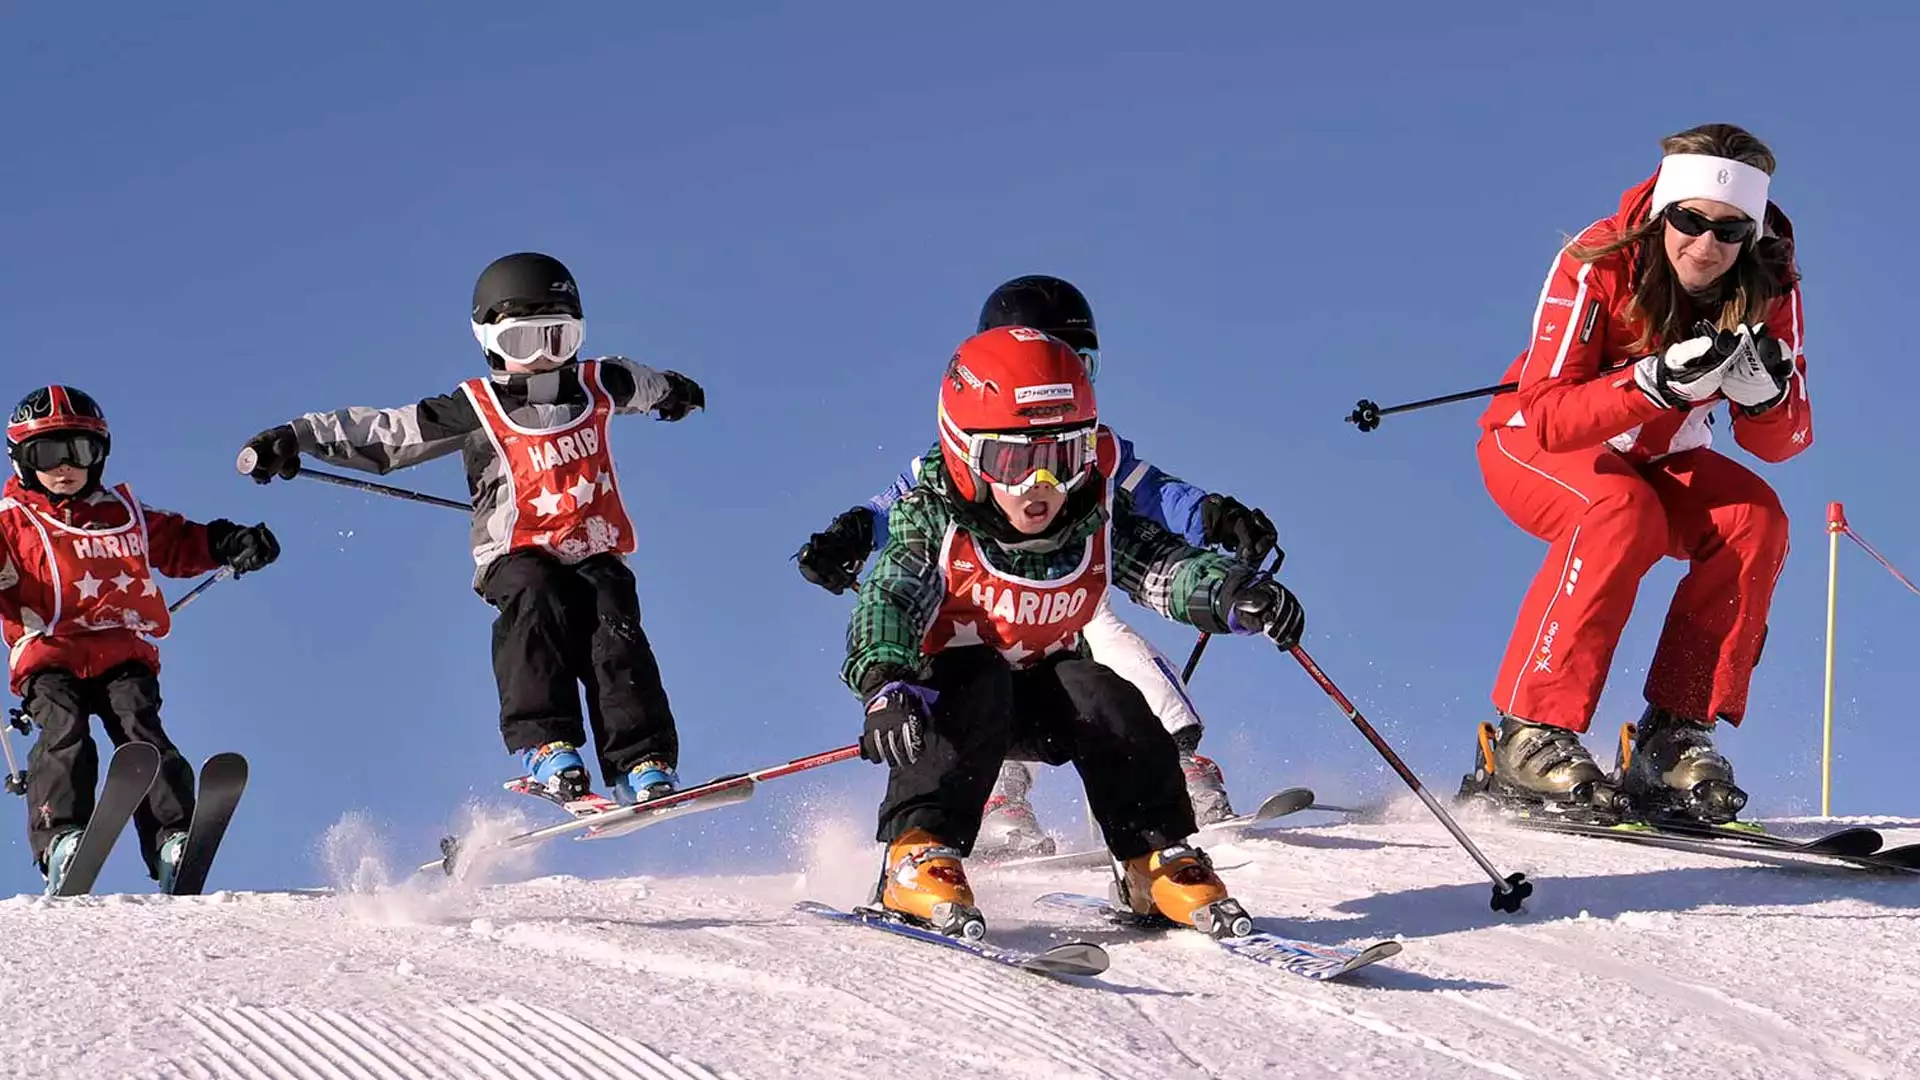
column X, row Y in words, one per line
column 832, row 560
column 550, row 530
column 963, row 643
column 78, row 604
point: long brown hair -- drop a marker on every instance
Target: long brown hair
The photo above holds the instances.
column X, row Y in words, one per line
column 1763, row 271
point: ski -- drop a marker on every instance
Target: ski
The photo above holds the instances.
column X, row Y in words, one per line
column 621, row 818
column 1068, row 959
column 130, row 773
column 1856, row 841
column 223, row 779
column 1897, row 860
column 1277, row 805
column 1308, row 959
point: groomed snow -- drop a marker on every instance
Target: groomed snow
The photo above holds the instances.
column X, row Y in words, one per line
column 1630, row 962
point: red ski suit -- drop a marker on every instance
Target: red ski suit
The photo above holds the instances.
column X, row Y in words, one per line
column 44, row 630
column 1612, row 482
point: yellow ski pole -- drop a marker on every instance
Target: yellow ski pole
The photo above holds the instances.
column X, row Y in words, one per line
column 1836, row 524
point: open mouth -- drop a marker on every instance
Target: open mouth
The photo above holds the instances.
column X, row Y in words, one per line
column 1035, row 512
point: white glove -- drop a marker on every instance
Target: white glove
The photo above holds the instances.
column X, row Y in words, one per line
column 1691, row 371
column 1759, row 377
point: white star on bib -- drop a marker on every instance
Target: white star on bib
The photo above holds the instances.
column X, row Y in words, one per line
column 547, row 503
column 89, row 585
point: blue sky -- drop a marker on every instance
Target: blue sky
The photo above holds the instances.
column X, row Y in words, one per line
column 217, row 218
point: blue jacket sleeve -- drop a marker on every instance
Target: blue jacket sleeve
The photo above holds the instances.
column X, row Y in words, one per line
column 1167, row 501
column 883, row 502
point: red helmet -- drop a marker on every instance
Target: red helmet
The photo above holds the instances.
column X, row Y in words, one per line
column 1016, row 409
column 56, row 425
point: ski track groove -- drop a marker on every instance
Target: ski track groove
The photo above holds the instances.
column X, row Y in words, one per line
column 324, row 1027
column 225, row 1040
column 1153, row 1024
column 1568, row 1055
column 483, row 1038
column 1366, row 1021
column 982, row 995
column 1762, row 1028
column 292, row 1032
column 370, row 1042
column 588, row 1042
column 434, row 1052
column 561, row 1056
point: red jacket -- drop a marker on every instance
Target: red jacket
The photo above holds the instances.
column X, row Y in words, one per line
column 1580, row 327
column 76, row 579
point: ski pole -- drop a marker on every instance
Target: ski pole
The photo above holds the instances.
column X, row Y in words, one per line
column 205, row 583
column 248, row 459
column 1200, row 646
column 1366, row 414
column 1508, row 892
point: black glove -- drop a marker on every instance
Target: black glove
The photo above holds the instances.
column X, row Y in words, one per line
column 896, row 721
column 245, row 548
column 1261, row 605
column 832, row 559
column 276, row 452
column 1246, row 533
column 682, row 397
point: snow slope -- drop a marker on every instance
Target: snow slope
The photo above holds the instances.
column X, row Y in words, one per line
column 1630, row 962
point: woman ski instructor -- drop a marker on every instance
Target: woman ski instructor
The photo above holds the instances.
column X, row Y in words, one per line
column 1686, row 297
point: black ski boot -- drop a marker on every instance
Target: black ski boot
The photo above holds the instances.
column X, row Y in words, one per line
column 1526, row 766
column 1669, row 767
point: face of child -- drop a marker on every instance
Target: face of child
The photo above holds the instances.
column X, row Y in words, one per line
column 1032, row 510
column 63, row 479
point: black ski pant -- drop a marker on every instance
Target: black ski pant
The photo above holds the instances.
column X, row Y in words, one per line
column 63, row 767
column 562, row 627
column 1066, row 709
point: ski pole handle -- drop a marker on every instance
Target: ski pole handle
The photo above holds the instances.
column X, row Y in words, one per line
column 1200, row 646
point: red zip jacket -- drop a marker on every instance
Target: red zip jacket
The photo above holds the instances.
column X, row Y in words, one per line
column 1580, row 328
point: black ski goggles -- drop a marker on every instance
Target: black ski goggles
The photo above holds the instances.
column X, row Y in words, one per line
column 1693, row 223
column 45, row 453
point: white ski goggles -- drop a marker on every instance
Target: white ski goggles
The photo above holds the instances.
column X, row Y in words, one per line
column 1016, row 464
column 523, row 340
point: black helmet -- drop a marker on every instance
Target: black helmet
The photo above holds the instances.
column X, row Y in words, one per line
column 1044, row 303
column 526, row 283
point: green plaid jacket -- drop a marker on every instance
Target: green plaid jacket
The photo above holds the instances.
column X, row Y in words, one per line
column 905, row 587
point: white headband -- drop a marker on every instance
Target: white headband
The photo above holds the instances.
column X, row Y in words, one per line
column 1702, row 176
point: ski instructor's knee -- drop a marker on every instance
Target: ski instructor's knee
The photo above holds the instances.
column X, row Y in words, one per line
column 1633, row 523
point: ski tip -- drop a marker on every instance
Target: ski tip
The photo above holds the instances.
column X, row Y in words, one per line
column 1281, row 803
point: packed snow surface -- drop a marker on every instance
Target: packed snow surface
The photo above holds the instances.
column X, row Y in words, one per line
column 1629, row 962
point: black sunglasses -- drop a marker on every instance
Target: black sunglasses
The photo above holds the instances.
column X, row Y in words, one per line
column 49, row 452
column 1693, row 223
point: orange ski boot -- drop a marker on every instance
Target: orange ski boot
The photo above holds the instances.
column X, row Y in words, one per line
column 1178, row 884
column 925, row 882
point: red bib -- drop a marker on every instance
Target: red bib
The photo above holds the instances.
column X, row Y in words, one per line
column 560, row 480
column 99, row 579
column 1025, row 619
